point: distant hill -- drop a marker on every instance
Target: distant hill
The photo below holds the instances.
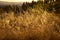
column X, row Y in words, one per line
column 2, row 3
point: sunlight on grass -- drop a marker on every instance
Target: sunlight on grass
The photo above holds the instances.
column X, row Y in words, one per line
column 32, row 24
column 46, row 24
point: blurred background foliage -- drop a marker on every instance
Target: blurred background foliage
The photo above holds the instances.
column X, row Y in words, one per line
column 49, row 5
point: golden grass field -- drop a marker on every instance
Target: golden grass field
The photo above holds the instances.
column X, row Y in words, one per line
column 34, row 24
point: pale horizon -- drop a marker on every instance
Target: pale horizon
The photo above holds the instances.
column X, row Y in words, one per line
column 19, row 0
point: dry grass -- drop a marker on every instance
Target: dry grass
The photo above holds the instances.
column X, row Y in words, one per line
column 33, row 25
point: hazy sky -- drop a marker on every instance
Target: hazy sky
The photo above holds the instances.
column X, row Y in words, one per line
column 18, row 0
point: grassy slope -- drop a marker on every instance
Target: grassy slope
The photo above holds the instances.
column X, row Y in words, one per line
column 35, row 24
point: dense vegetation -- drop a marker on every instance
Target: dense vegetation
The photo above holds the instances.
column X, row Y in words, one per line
column 31, row 21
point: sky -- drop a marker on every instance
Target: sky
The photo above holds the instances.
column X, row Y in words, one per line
column 18, row 0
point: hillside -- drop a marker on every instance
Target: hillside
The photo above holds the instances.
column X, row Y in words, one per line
column 35, row 21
